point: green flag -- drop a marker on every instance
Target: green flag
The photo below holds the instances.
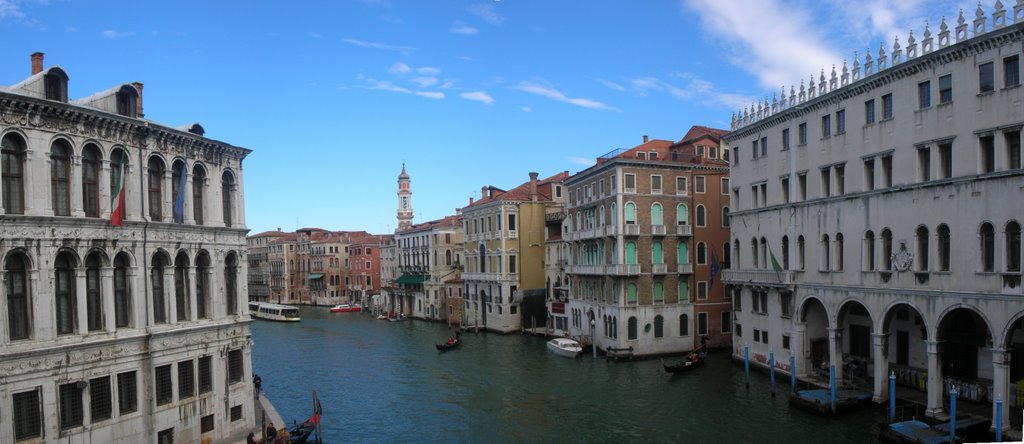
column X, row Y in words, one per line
column 775, row 262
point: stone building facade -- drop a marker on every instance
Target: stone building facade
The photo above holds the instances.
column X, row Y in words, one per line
column 644, row 227
column 129, row 333
column 429, row 253
column 890, row 198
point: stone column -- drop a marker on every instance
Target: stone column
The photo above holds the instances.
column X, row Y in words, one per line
column 81, row 300
column 107, row 292
column 166, row 206
column 104, row 188
column 138, row 316
column 135, row 198
column 935, row 398
column 881, row 374
column 170, row 302
column 239, row 197
column 29, row 178
column 218, row 305
column 144, row 193
column 41, row 308
column 798, row 347
column 1000, row 161
column 188, row 214
column 4, row 325
column 193, row 308
column 835, row 356
column 75, row 186
column 1001, row 385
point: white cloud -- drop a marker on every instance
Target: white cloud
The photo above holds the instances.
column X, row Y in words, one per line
column 10, row 8
column 382, row 85
column 376, row 45
column 430, row 94
column 447, row 84
column 486, row 12
column 695, row 89
column 424, row 82
column 611, row 85
column 463, row 29
column 554, row 94
column 526, row 109
column 478, row 96
column 114, row 34
column 399, row 68
column 428, row 71
column 585, row 161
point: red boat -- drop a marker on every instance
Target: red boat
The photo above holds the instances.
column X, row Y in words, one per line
column 345, row 308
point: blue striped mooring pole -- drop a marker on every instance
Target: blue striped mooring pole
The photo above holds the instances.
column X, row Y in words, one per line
column 792, row 373
column 952, row 414
column 771, row 371
column 746, row 363
column 832, row 386
column 892, row 397
column 999, row 419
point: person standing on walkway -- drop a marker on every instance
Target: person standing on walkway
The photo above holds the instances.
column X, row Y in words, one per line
column 257, row 381
column 271, row 434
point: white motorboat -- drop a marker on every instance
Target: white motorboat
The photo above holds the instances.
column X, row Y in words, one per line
column 565, row 347
column 274, row 312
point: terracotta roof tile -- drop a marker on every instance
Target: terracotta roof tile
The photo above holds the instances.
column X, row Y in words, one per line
column 522, row 192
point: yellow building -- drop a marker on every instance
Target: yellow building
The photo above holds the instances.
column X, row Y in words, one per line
column 504, row 235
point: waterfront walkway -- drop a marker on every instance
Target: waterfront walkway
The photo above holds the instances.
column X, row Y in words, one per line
column 265, row 414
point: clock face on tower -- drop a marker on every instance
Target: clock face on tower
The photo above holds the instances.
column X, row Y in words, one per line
column 405, row 203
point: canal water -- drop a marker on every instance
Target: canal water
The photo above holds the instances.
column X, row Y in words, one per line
column 384, row 381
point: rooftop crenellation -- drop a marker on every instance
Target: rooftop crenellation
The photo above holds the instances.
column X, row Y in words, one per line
column 882, row 61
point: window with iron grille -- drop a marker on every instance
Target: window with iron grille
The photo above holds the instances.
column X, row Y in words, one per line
column 70, row 405
column 165, row 436
column 100, row 407
column 127, row 393
column 186, row 379
column 205, row 374
column 164, row 386
column 28, row 418
column 236, row 413
column 207, row 424
column 235, row 366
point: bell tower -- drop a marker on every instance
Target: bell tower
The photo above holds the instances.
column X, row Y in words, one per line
column 404, row 200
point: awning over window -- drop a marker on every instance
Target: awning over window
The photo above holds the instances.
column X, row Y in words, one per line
column 316, row 275
column 411, row 279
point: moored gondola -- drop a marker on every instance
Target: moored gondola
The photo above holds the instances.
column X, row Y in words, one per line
column 451, row 344
column 692, row 361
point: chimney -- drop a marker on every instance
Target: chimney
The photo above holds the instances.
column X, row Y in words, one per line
column 138, row 86
column 37, row 63
column 471, row 200
column 533, row 187
column 458, row 211
column 645, row 138
column 278, row 229
column 483, row 193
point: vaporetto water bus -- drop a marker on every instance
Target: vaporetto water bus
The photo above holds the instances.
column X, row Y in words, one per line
column 274, row 312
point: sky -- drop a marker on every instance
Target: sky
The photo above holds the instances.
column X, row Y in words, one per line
column 333, row 96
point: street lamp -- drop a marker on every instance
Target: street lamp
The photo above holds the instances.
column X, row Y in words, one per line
column 593, row 337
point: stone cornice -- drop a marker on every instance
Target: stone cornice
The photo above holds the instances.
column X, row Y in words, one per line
column 949, row 54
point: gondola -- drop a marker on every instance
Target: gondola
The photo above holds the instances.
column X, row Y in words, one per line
column 300, row 433
column 449, row 346
column 692, row 361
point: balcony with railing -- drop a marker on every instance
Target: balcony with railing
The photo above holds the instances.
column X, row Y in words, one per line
column 659, row 268
column 657, row 230
column 490, row 277
column 513, row 234
column 587, row 269
column 684, row 268
column 632, row 230
column 768, row 278
column 1011, row 283
column 590, row 233
column 624, row 269
column 611, row 230
column 684, row 230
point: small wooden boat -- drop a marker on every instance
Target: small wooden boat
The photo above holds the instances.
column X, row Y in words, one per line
column 450, row 345
column 692, row 361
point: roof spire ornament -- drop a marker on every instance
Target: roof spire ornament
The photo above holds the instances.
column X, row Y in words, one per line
column 979, row 21
column 869, row 66
column 846, row 74
column 732, row 125
column 775, row 103
column 961, row 27
column 821, row 84
column 1018, row 12
column 782, row 103
column 897, row 52
column 944, row 32
column 811, row 90
column 833, row 81
column 883, row 60
column 911, row 46
column 856, row 66
column 926, row 44
column 999, row 16
column 803, row 95
column 792, row 94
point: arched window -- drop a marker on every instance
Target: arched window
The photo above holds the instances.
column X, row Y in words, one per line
column 922, row 248
column 869, row 251
column 826, row 253
column 800, row 251
column 658, row 292
column 631, row 328
column 198, row 185
column 887, row 249
column 64, row 293
column 684, row 289
column 944, row 253
column 1013, row 247
column 988, row 249
column 656, row 214
column 231, row 283
column 122, row 295
column 681, row 216
column 19, row 316
column 657, row 256
column 60, row 178
column 682, row 255
column 684, row 325
column 91, row 181
column 155, row 180
column 630, row 252
column 840, row 251
column 785, row 252
column 727, row 256
column 447, row 257
column 725, row 217
column 93, row 294
column 659, row 326
column 12, row 160
column 156, row 280
column 736, row 252
column 615, row 328
column 631, row 293
column 753, row 251
column 702, row 254
column 176, row 189
column 118, row 181
column 227, row 190
column 601, row 220
column 764, row 253
column 181, row 284
column 701, row 216
column 630, row 216
column 615, row 215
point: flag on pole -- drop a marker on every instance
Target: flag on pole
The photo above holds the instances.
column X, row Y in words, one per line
column 714, row 269
column 775, row 262
column 179, row 203
column 117, row 204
